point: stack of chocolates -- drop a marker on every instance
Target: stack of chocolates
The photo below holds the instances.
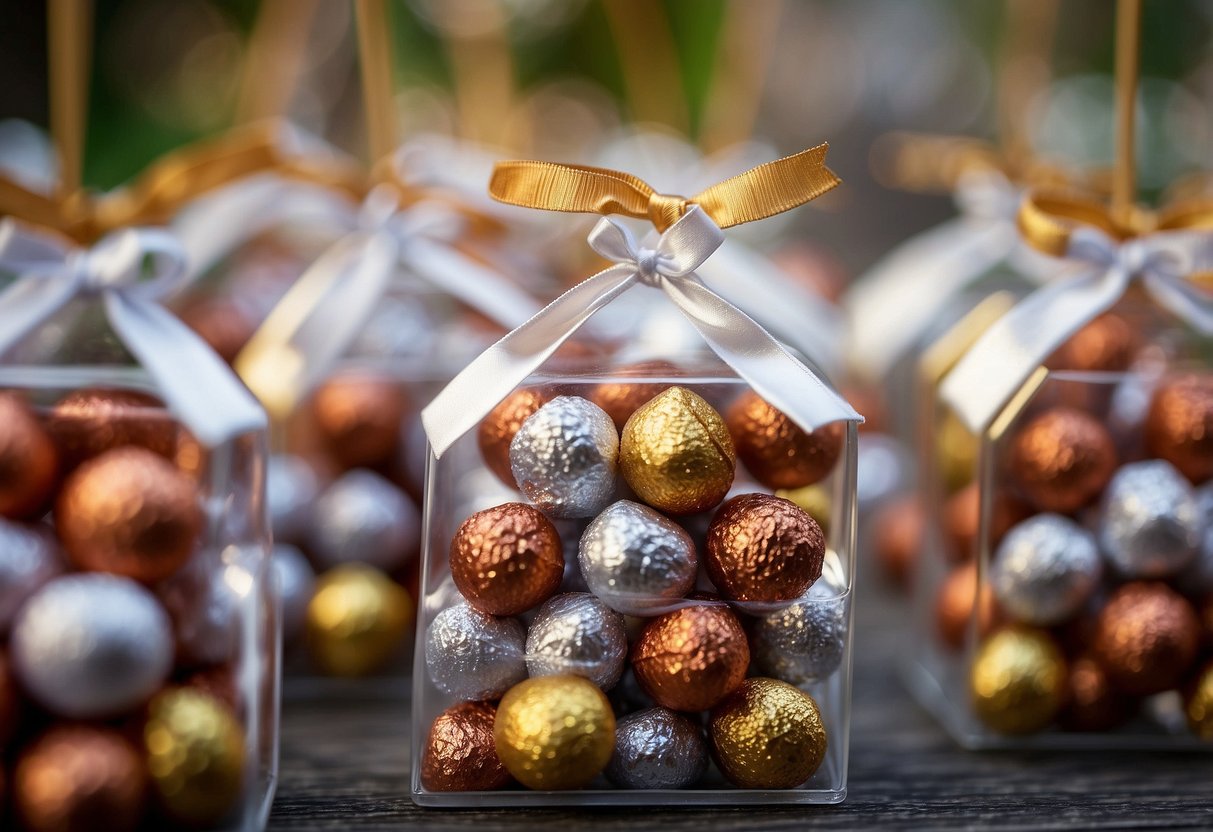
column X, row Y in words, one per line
column 346, row 523
column 135, row 678
column 1093, row 611
column 642, row 613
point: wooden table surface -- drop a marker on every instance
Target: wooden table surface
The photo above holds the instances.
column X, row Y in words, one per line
column 345, row 765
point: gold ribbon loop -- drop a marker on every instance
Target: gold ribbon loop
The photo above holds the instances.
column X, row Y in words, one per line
column 758, row 193
column 1047, row 218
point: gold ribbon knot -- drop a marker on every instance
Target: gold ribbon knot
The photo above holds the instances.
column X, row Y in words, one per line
column 760, row 192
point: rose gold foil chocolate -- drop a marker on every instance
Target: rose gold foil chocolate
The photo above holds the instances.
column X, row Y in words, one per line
column 222, row 324
column 1179, row 424
column 460, row 753
column 28, row 461
column 690, row 659
column 777, row 452
column 129, row 512
column 89, row 422
column 1105, row 345
column 1062, row 459
column 508, row 559
column 360, row 418
column 1094, row 703
column 620, row 399
column 954, row 606
column 76, row 778
column 763, row 548
column 1147, row 638
column 497, row 430
column 897, row 532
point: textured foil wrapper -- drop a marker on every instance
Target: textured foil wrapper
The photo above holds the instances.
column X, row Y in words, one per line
column 361, row 418
column 657, row 749
column 806, row 641
column 1179, row 424
column 87, row 423
column 775, row 450
column 498, row 429
column 366, row 519
column 1151, row 525
column 1045, row 570
column 637, row 561
column 1147, row 638
column 676, row 453
column 357, row 620
column 554, row 732
column 575, row 634
column 29, row 462
column 763, row 548
column 690, row 659
column 195, row 756
column 1062, row 459
column 507, row 559
column 472, row 655
column 92, row 646
column 460, row 753
column 129, row 512
column 1018, row 681
column 768, row 735
column 564, row 457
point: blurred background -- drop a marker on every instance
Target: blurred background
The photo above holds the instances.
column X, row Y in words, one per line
column 558, row 78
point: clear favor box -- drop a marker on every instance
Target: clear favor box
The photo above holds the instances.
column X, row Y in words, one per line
column 1063, row 596
column 623, row 577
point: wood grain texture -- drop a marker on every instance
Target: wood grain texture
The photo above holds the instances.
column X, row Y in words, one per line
column 345, row 766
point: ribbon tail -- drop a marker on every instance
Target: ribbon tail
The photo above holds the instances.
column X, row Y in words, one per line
column 494, row 374
column 799, row 317
column 1008, row 352
column 896, row 302
column 195, row 382
column 317, row 320
column 479, row 287
column 758, row 358
column 28, row 302
column 1187, row 301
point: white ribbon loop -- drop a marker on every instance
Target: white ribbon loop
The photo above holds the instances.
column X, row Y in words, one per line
column 669, row 265
column 894, row 304
column 1009, row 351
column 128, row 271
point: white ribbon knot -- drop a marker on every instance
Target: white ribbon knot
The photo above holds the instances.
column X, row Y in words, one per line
column 1019, row 342
column 127, row 271
column 668, row 266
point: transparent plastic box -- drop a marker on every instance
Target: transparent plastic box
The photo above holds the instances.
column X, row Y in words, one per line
column 195, row 633
column 460, row 484
column 970, row 587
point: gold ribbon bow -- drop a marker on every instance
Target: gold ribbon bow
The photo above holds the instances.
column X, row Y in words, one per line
column 1047, row 218
column 171, row 181
column 758, row 193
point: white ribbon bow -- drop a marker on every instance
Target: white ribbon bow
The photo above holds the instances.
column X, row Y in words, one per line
column 669, row 266
column 331, row 302
column 892, row 306
column 128, row 271
column 1009, row 351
